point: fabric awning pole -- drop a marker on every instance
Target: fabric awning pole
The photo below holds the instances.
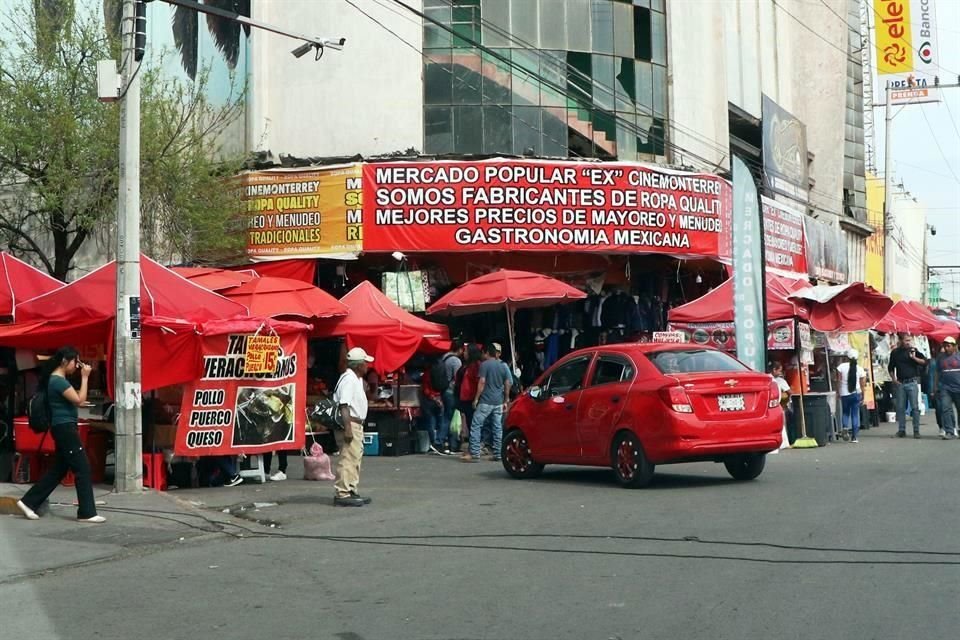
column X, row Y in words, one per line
column 513, row 346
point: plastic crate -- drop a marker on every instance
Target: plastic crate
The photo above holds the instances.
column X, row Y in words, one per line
column 26, row 440
column 371, row 444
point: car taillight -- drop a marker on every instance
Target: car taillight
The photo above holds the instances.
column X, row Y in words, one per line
column 774, row 395
column 677, row 399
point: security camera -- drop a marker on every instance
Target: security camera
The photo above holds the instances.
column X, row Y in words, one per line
column 303, row 49
column 933, row 230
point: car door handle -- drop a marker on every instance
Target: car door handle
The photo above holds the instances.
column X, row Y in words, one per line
column 615, row 399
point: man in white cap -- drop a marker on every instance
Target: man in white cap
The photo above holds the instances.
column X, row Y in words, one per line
column 351, row 400
column 948, row 387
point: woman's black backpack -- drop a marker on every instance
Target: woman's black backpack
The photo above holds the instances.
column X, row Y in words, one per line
column 39, row 413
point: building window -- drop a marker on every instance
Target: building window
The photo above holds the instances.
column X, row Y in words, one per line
column 576, row 78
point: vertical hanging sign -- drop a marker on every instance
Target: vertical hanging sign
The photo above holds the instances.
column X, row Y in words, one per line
column 748, row 281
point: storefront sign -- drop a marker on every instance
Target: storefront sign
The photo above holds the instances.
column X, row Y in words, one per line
column 303, row 213
column 529, row 205
column 784, row 151
column 907, row 49
column 748, row 276
column 674, row 337
column 229, row 411
column 261, row 356
column 781, row 334
column 783, row 237
column 806, row 337
column 826, row 251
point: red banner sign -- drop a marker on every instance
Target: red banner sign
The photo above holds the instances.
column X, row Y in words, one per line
column 228, row 411
column 527, row 205
column 784, row 241
column 781, row 334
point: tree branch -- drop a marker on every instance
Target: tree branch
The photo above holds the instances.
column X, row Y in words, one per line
column 34, row 247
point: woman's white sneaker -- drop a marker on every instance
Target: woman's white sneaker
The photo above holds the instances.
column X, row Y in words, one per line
column 93, row 520
column 279, row 476
column 28, row 513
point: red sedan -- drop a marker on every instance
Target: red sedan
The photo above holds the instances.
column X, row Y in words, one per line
column 634, row 406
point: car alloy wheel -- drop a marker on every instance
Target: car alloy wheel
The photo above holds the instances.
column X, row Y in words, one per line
column 630, row 463
column 517, row 459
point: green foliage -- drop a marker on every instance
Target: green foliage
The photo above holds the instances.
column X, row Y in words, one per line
column 59, row 146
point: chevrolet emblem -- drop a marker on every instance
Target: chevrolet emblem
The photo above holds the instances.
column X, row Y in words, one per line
column 731, row 382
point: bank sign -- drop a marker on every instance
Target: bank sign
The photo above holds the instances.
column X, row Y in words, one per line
column 906, row 49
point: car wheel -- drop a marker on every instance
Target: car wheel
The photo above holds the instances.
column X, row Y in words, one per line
column 746, row 467
column 517, row 459
column 630, row 463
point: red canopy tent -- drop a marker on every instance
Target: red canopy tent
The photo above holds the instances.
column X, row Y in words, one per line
column 303, row 269
column 846, row 307
column 19, row 282
column 717, row 306
column 911, row 317
column 215, row 279
column 271, row 297
column 384, row 330
column 83, row 313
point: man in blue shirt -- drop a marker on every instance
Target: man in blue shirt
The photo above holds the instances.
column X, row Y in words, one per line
column 948, row 387
column 493, row 394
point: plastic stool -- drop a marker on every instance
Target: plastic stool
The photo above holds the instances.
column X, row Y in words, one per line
column 252, row 468
column 154, row 471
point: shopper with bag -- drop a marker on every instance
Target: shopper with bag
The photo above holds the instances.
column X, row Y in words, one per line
column 63, row 401
column 351, row 401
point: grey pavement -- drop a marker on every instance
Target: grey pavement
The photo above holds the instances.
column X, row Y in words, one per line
column 845, row 541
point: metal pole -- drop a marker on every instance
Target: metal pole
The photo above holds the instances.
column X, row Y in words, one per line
column 129, row 446
column 887, row 192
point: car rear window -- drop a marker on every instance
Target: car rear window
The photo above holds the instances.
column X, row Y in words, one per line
column 693, row 361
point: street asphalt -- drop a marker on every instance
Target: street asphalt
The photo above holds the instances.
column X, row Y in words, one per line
column 847, row 541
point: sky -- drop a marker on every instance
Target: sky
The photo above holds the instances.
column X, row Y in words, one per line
column 929, row 175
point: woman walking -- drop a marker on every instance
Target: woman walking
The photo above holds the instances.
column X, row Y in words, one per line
column 849, row 375
column 70, row 455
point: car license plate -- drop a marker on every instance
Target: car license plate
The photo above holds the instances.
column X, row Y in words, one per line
column 732, row 403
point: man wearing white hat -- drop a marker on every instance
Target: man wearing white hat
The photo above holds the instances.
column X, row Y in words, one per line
column 351, row 400
column 948, row 387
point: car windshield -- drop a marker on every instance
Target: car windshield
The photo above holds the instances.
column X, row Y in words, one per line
column 693, row 361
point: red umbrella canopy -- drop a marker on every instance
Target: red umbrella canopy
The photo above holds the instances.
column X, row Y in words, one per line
column 215, row 279
column 847, row 307
column 908, row 317
column 274, row 297
column 499, row 289
column 19, row 282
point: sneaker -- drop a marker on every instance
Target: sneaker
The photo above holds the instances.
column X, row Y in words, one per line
column 433, row 449
column 348, row 501
column 916, row 436
column 365, row 499
column 93, row 520
column 943, row 434
column 446, row 451
column 901, row 434
column 234, row 481
column 469, row 458
column 855, row 441
column 279, row 476
column 28, row 513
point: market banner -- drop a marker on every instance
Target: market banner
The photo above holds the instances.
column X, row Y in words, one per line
column 303, row 213
column 906, row 41
column 826, row 251
column 784, row 243
column 781, row 334
column 748, row 276
column 533, row 205
column 229, row 412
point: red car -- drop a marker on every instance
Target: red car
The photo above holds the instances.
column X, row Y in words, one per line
column 634, row 406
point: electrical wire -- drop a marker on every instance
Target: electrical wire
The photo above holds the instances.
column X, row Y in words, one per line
column 936, row 141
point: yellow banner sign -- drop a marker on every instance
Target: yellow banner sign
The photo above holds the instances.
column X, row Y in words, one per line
column 894, row 49
column 303, row 213
column 262, row 354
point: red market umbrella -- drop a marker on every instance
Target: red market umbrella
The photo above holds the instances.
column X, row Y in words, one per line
column 908, row 317
column 509, row 290
column 269, row 297
column 847, row 307
column 216, row 279
column 20, row 282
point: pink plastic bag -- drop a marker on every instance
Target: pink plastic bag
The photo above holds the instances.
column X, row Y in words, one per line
column 316, row 466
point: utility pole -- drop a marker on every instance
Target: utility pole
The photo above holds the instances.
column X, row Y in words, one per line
column 126, row 381
column 887, row 191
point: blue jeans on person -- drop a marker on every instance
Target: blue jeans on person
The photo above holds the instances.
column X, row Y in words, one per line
column 851, row 413
column 484, row 411
column 907, row 391
column 948, row 403
column 431, row 420
column 449, row 406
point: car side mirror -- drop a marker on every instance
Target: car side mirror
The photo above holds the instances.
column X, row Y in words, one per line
column 536, row 393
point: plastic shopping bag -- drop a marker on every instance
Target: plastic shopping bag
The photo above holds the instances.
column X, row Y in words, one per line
column 455, row 425
column 316, row 466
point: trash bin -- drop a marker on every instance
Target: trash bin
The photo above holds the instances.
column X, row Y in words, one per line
column 816, row 412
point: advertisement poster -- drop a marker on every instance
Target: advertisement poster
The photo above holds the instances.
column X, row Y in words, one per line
column 906, row 40
column 781, row 334
column 826, row 251
column 784, row 151
column 229, row 411
column 784, row 243
column 303, row 213
column 748, row 277
column 528, row 205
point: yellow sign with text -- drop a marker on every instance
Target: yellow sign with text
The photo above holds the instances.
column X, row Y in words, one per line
column 894, row 50
column 303, row 213
column 262, row 353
